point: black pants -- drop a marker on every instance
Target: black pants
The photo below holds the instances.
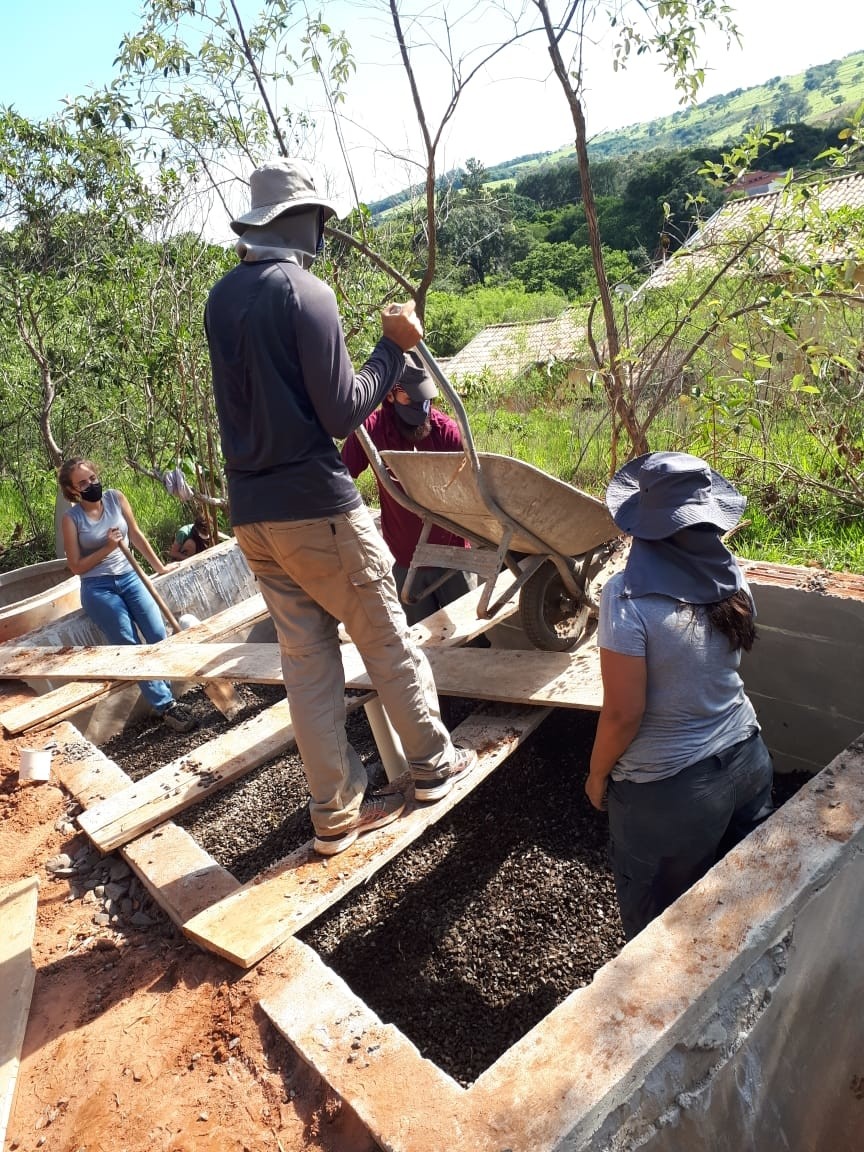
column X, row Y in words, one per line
column 665, row 835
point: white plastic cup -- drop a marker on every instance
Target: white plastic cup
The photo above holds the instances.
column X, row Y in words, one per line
column 34, row 764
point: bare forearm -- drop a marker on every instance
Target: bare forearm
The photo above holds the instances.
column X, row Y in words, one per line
column 614, row 736
column 82, row 564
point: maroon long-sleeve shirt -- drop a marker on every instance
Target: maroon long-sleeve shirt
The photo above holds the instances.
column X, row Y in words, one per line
column 401, row 528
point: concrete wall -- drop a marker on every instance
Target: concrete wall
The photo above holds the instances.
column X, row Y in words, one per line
column 778, row 1063
column 806, row 670
column 202, row 586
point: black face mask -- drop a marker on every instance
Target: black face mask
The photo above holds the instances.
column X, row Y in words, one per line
column 92, row 493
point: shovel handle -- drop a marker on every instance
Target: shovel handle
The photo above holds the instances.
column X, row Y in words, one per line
column 148, row 584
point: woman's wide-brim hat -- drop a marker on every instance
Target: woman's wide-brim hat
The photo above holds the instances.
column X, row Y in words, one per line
column 656, row 495
column 279, row 187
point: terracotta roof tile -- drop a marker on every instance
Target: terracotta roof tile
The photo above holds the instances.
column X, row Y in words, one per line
column 717, row 239
column 510, row 349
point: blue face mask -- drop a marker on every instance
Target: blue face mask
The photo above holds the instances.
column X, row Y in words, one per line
column 414, row 413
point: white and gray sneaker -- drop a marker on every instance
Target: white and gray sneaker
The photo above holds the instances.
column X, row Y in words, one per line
column 429, row 787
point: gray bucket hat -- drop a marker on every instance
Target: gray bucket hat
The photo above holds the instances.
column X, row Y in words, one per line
column 279, row 187
column 416, row 380
column 656, row 495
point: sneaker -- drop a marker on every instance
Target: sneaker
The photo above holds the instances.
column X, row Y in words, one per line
column 437, row 787
column 374, row 813
column 179, row 717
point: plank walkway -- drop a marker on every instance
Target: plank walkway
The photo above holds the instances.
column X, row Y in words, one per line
column 193, row 889
column 532, row 677
column 249, row 923
column 451, row 626
column 18, row 916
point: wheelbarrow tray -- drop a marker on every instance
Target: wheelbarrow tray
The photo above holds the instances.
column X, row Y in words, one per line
column 568, row 521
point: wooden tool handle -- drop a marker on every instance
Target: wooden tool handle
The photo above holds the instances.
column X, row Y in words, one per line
column 148, row 584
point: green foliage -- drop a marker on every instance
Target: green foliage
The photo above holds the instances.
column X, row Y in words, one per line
column 567, row 269
column 452, row 320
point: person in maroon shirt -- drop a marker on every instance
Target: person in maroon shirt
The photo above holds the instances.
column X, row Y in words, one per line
column 406, row 422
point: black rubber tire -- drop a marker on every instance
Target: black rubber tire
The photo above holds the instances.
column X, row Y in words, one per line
column 550, row 619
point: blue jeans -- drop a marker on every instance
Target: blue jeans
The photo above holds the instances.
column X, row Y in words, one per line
column 664, row 835
column 116, row 604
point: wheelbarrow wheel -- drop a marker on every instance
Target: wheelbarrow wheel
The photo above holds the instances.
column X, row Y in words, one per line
column 551, row 619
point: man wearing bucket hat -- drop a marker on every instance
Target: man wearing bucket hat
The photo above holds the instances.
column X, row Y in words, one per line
column 405, row 422
column 678, row 758
column 285, row 387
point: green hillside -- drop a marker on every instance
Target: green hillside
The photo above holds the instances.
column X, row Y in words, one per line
column 824, row 94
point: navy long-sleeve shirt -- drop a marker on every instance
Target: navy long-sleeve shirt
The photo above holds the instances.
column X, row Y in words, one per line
column 284, row 387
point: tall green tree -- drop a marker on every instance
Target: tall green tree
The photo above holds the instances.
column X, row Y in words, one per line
column 670, row 30
column 70, row 201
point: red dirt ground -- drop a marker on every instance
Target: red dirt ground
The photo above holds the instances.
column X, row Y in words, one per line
column 143, row 1043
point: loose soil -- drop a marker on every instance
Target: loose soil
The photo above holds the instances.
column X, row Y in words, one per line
column 137, row 1040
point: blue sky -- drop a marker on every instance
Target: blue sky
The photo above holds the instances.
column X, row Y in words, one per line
column 54, row 48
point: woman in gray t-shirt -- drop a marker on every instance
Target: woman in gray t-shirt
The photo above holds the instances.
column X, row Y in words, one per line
column 677, row 758
column 112, row 594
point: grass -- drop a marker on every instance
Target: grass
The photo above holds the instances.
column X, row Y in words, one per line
column 790, row 522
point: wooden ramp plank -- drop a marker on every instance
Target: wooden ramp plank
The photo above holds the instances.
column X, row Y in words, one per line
column 257, row 918
column 126, row 814
column 18, row 916
column 73, row 697
column 180, row 876
column 455, row 624
column 561, row 678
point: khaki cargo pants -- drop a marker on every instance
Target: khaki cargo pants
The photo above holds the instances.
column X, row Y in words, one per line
column 312, row 574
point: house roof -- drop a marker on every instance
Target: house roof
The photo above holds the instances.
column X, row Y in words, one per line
column 510, row 349
column 783, row 236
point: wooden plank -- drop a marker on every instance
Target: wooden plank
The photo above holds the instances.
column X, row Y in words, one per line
column 128, row 813
column 18, row 916
column 65, row 701
column 456, row 624
column 562, row 678
column 257, row 918
column 181, row 877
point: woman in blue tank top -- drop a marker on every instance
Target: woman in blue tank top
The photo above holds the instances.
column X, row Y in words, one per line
column 112, row 595
column 678, row 758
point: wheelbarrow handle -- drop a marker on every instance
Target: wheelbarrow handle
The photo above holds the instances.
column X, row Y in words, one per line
column 470, row 450
column 437, row 374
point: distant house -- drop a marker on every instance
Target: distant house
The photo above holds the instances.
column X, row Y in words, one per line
column 780, row 235
column 507, row 351
column 756, row 183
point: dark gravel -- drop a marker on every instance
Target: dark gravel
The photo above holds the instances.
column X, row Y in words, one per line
column 475, row 932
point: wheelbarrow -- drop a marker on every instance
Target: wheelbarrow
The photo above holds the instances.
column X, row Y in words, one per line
column 546, row 533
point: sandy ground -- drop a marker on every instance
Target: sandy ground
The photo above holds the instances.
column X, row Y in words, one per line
column 140, row 1042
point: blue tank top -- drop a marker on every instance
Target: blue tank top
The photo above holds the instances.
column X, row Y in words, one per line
column 92, row 535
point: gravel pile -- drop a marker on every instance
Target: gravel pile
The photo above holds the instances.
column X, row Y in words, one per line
column 106, row 884
column 474, row 933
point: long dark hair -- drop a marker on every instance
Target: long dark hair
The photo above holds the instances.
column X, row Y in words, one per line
column 734, row 618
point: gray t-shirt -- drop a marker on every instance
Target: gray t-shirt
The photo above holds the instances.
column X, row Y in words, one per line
column 695, row 700
column 92, row 535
